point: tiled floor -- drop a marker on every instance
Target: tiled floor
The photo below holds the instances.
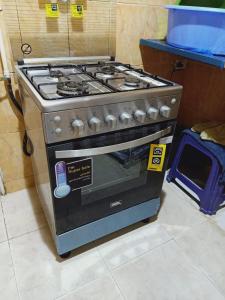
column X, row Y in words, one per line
column 178, row 257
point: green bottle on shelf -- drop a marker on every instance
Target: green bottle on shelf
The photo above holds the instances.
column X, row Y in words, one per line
column 203, row 3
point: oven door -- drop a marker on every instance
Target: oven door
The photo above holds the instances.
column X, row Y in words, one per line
column 97, row 176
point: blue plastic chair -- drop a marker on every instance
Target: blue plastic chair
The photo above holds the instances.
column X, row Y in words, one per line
column 212, row 195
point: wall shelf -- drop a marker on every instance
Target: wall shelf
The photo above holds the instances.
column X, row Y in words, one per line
column 217, row 61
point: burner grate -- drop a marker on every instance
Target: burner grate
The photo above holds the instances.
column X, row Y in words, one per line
column 70, row 88
column 56, row 73
column 132, row 81
column 58, row 81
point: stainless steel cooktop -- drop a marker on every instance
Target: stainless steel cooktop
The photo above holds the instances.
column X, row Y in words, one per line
column 81, row 98
column 70, row 80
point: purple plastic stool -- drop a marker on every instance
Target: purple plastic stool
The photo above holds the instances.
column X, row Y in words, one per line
column 213, row 193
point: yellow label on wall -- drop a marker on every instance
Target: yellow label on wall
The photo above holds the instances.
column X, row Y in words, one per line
column 77, row 11
column 156, row 157
column 52, row 10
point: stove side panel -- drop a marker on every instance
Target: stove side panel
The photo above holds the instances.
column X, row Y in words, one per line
column 34, row 128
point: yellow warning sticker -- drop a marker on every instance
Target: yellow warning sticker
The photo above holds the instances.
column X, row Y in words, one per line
column 77, row 11
column 156, row 157
column 52, row 10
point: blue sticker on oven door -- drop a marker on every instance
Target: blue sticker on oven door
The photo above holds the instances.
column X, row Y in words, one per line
column 62, row 188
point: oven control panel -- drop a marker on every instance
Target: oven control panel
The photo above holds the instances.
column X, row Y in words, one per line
column 78, row 123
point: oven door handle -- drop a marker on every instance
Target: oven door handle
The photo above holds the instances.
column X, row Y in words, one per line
column 113, row 148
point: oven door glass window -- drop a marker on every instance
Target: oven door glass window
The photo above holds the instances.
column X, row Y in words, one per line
column 117, row 173
column 101, row 175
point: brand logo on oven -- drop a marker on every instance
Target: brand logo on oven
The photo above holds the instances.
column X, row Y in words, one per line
column 116, row 203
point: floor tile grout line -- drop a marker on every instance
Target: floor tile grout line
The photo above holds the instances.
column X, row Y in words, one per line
column 1, row 207
column 117, row 285
column 207, row 275
column 1, row 242
column 173, row 187
column 10, row 249
column 14, row 270
column 213, row 221
column 131, row 261
column 110, row 271
column 76, row 289
column 213, row 283
column 86, row 284
column 28, row 232
column 200, row 269
column 32, row 211
column 185, row 231
column 196, row 266
column 111, row 275
column 4, row 219
column 142, row 254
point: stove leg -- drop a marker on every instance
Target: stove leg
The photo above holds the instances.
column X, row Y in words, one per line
column 65, row 255
column 150, row 220
column 146, row 221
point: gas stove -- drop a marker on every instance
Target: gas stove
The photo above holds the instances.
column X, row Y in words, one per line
column 101, row 133
column 80, row 99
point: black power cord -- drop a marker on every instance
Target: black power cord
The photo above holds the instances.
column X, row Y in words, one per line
column 27, row 144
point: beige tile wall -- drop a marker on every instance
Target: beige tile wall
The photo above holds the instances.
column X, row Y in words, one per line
column 63, row 36
column 16, row 167
column 138, row 19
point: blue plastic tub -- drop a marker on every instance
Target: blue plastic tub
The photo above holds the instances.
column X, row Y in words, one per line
column 200, row 29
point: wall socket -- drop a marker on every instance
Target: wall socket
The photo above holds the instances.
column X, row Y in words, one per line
column 180, row 65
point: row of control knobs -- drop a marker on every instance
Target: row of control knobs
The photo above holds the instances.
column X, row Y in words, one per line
column 139, row 115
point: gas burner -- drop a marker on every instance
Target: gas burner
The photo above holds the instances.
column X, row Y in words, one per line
column 56, row 73
column 70, row 88
column 131, row 81
column 106, row 69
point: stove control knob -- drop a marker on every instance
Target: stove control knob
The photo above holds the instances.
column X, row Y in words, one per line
column 95, row 124
column 165, row 111
column 58, row 130
column 125, row 118
column 153, row 113
column 173, row 101
column 57, row 119
column 140, row 116
column 78, row 126
column 111, row 121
